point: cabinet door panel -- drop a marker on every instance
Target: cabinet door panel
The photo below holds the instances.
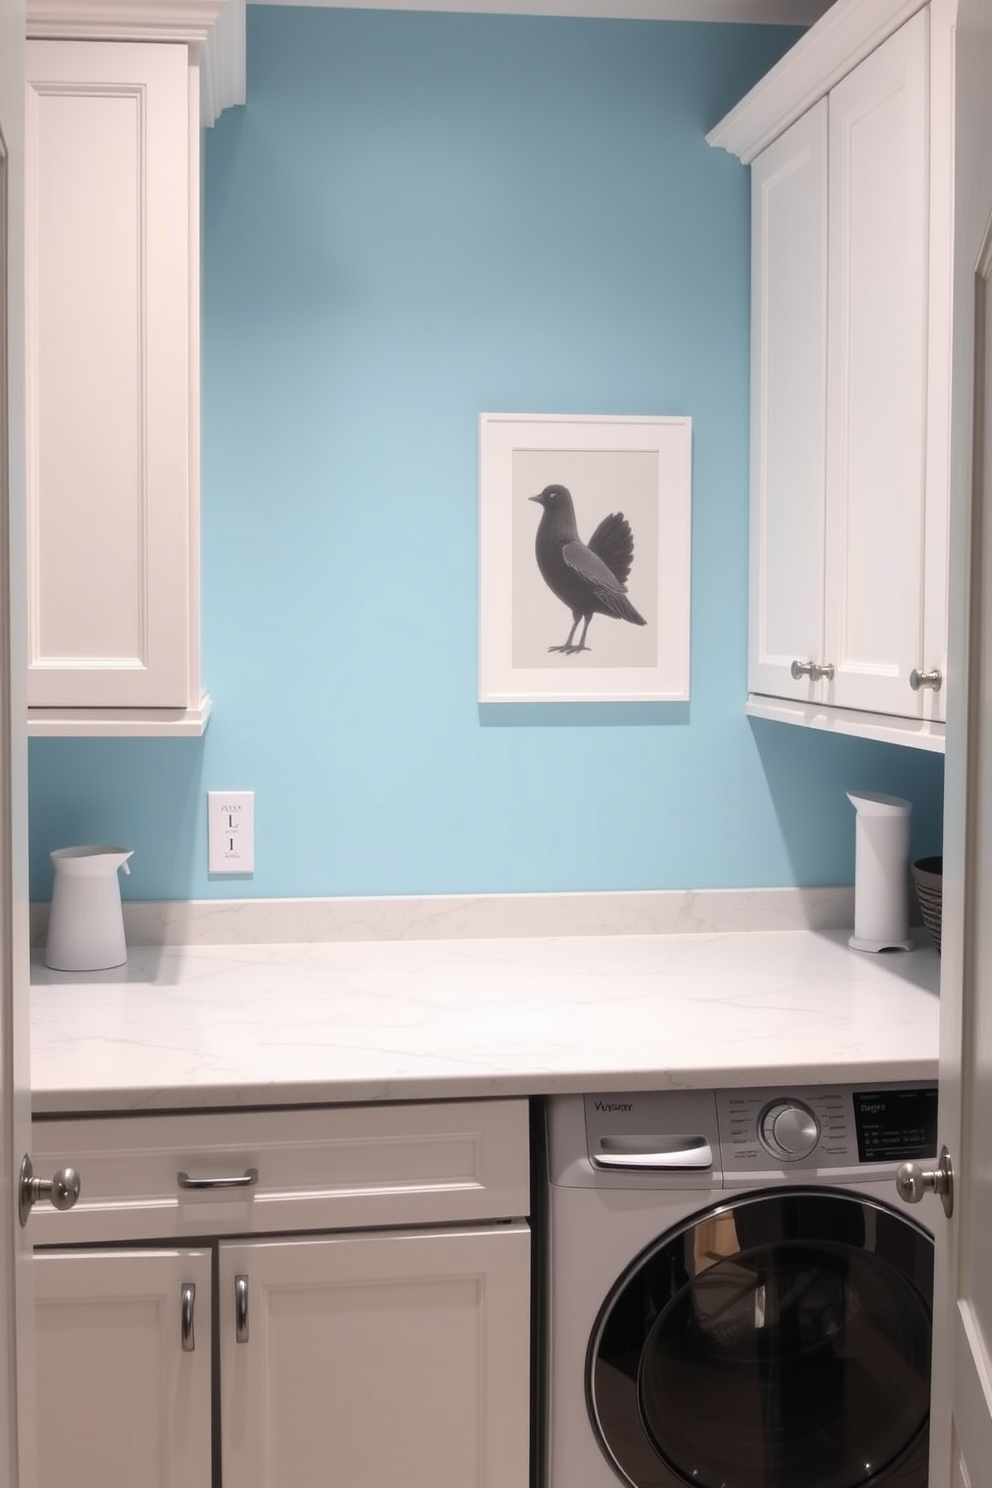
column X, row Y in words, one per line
column 876, row 391
column 940, row 350
column 788, row 405
column 119, row 1401
column 108, row 374
column 373, row 1359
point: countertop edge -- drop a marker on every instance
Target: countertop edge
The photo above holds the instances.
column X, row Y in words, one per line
column 65, row 1104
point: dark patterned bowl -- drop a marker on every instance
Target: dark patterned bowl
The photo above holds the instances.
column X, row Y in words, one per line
column 928, row 878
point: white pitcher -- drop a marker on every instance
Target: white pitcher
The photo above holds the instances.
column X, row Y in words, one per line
column 86, row 922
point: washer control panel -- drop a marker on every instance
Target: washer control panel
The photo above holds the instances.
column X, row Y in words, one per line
column 827, row 1127
column 716, row 1138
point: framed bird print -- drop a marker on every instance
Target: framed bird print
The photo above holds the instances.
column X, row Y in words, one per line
column 584, row 558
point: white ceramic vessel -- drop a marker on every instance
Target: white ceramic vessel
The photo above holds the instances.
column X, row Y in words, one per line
column 881, row 873
column 86, row 922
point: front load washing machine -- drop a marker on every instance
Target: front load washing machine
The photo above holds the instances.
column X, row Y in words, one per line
column 736, row 1297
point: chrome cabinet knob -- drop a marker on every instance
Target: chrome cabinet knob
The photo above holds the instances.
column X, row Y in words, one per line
column 814, row 670
column 933, row 680
column 912, row 1182
column 62, row 1191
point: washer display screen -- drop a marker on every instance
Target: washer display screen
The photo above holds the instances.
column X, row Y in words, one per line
column 895, row 1125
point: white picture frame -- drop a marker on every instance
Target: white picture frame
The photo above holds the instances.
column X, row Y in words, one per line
column 637, row 467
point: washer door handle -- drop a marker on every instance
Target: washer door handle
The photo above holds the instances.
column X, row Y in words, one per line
column 676, row 1152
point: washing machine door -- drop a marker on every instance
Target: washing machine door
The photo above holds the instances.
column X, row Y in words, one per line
column 780, row 1340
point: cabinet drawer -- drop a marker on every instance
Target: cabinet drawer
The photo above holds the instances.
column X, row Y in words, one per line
column 329, row 1167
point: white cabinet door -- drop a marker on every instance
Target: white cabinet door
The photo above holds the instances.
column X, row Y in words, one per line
column 877, row 374
column 961, row 1405
column 788, row 407
column 372, row 1359
column 111, row 342
column 933, row 660
column 120, row 1401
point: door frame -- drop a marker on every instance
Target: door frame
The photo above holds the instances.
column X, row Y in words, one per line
column 17, row 1404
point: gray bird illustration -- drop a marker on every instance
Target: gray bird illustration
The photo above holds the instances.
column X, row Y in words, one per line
column 589, row 578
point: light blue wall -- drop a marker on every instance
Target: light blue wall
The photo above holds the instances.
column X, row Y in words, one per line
column 418, row 217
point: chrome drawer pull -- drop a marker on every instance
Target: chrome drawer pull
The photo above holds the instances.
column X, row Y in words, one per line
column 187, row 1295
column 249, row 1177
column 241, row 1309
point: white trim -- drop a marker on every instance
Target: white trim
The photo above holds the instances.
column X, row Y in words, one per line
column 223, row 76
column 120, row 723
column 918, row 733
column 216, row 28
column 829, row 51
column 763, row 12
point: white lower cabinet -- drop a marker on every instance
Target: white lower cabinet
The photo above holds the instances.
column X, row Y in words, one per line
column 369, row 1360
column 331, row 1355
column 121, row 1400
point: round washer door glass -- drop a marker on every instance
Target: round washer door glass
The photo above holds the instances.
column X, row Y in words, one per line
column 777, row 1340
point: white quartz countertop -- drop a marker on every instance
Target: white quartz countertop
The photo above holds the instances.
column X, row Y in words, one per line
column 240, row 1025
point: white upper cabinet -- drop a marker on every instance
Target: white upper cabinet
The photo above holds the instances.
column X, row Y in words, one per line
column 788, row 381
column 877, row 376
column 112, row 480
column 848, row 138
column 112, row 143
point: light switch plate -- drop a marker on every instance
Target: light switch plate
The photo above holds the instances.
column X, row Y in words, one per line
column 231, row 831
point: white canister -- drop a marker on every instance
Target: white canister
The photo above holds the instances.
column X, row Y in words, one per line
column 881, row 873
column 86, row 921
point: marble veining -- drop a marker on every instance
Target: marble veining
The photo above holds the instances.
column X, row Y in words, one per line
column 235, row 1025
column 475, row 916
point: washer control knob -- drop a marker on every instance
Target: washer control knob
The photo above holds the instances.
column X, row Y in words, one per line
column 788, row 1130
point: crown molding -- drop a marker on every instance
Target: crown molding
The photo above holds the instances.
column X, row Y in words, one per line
column 769, row 12
column 841, row 39
column 213, row 29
